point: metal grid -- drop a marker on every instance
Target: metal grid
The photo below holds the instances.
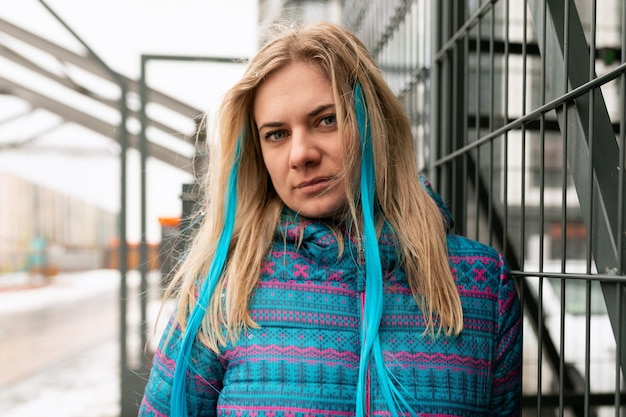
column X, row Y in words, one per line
column 520, row 108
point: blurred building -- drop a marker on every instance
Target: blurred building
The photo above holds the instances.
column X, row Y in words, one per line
column 44, row 231
column 272, row 11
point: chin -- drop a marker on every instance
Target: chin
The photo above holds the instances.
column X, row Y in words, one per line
column 334, row 213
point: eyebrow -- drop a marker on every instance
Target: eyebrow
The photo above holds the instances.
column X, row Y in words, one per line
column 320, row 109
column 316, row 111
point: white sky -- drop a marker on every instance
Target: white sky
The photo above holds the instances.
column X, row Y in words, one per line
column 119, row 32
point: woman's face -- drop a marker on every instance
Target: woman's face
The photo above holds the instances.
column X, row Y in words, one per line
column 295, row 114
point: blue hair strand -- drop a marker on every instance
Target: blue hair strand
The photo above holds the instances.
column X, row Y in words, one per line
column 373, row 306
column 178, row 402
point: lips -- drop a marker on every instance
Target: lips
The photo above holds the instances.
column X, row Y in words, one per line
column 315, row 185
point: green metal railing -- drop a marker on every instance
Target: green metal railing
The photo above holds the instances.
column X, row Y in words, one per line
column 519, row 109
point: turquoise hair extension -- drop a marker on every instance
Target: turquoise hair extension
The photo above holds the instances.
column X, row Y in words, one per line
column 178, row 403
column 373, row 306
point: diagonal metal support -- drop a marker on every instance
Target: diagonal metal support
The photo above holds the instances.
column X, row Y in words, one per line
column 592, row 147
column 70, row 114
column 89, row 65
column 67, row 82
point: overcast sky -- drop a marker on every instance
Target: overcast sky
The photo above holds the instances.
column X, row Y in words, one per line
column 119, row 32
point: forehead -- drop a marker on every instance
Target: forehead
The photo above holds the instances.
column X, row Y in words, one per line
column 297, row 68
column 299, row 83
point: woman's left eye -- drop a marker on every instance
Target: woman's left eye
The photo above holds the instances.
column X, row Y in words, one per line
column 329, row 120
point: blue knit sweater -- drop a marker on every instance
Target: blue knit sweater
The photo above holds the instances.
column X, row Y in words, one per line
column 303, row 360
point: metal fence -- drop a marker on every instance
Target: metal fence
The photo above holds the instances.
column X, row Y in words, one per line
column 519, row 108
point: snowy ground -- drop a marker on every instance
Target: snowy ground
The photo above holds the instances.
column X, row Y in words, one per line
column 59, row 344
column 84, row 385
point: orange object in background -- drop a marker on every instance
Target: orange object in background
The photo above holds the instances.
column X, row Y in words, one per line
column 160, row 256
column 170, row 248
column 170, row 222
column 112, row 256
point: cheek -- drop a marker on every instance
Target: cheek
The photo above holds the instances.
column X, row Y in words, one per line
column 272, row 164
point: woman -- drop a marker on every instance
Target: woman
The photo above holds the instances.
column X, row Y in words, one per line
column 324, row 279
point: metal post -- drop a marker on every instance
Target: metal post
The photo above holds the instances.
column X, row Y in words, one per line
column 134, row 380
column 123, row 141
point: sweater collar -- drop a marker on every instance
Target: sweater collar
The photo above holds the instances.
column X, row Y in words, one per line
column 316, row 238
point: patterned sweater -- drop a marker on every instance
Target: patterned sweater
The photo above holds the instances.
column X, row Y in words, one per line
column 303, row 360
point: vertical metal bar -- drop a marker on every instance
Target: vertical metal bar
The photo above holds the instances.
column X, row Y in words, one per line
column 591, row 140
column 620, row 333
column 457, row 120
column 622, row 155
column 505, row 158
column 542, row 93
column 492, row 35
column 453, row 111
column 123, row 250
column 435, row 31
column 522, row 254
column 143, row 246
column 477, row 127
column 466, row 93
column 412, row 46
column 564, row 147
column 587, row 389
column 413, row 51
column 562, row 368
column 542, row 139
column 621, row 221
column 401, row 46
column 540, row 329
column 522, row 243
column 505, row 169
column 522, row 237
column 588, row 289
column 619, row 352
column 424, row 61
column 443, row 140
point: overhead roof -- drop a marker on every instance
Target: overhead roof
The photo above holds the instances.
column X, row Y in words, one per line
column 75, row 95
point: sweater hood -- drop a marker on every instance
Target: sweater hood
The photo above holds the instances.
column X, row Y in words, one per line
column 317, row 239
column 443, row 209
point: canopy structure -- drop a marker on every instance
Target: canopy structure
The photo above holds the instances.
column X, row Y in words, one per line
column 75, row 96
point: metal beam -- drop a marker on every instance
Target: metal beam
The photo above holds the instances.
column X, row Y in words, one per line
column 70, row 84
column 94, row 67
column 171, row 157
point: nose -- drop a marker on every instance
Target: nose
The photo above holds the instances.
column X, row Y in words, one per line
column 304, row 151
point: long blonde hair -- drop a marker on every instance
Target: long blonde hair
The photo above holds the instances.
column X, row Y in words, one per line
column 401, row 199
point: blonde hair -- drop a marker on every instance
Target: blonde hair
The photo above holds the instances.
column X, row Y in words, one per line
column 400, row 197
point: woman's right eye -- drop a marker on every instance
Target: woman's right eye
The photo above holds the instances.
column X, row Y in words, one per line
column 275, row 135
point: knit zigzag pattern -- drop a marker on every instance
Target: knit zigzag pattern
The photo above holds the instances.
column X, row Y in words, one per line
column 303, row 359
